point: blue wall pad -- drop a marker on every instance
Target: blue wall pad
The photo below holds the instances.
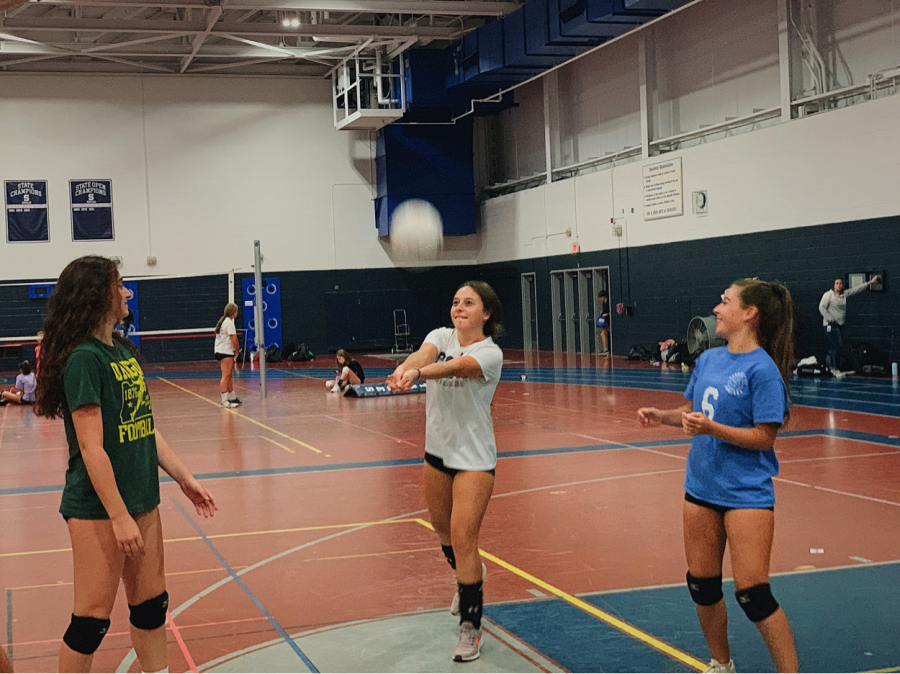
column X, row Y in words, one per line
column 133, row 307
column 379, row 390
column 433, row 163
column 271, row 298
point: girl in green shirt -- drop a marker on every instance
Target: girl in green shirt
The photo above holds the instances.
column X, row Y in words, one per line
column 90, row 376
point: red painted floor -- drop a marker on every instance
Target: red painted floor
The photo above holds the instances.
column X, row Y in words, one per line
column 582, row 521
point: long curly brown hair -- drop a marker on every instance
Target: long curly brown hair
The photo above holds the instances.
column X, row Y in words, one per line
column 82, row 299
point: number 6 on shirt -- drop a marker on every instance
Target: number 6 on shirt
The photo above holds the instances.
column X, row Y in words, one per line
column 706, row 406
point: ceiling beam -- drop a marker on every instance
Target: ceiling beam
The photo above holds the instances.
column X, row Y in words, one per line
column 243, row 29
column 427, row 7
column 214, row 15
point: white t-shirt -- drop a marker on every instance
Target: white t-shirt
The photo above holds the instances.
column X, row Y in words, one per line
column 223, row 338
column 27, row 384
column 458, row 425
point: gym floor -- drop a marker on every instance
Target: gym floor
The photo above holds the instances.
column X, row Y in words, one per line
column 321, row 557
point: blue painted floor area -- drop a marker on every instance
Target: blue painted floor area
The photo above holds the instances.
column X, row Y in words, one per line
column 857, row 605
column 871, row 396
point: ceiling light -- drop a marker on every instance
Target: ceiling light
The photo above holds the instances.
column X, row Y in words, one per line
column 286, row 23
column 295, row 23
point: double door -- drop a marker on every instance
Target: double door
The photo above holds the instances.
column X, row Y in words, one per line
column 576, row 309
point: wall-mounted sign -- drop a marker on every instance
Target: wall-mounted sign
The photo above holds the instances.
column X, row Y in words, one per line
column 91, row 203
column 27, row 217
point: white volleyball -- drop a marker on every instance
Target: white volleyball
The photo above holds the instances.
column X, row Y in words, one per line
column 417, row 232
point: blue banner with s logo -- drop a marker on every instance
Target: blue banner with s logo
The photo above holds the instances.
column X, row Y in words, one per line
column 91, row 203
column 26, row 210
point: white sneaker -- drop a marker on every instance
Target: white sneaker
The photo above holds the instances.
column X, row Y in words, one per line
column 716, row 666
column 230, row 403
column 454, row 603
column 329, row 383
column 336, row 388
column 468, row 647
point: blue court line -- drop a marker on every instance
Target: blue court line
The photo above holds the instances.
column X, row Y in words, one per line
column 243, row 586
column 357, row 465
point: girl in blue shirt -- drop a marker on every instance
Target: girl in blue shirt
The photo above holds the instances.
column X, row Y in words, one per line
column 738, row 401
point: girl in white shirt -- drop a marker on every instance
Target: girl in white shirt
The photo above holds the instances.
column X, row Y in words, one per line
column 226, row 349
column 460, row 450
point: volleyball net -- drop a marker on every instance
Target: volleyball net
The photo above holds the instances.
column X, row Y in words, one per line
column 174, row 317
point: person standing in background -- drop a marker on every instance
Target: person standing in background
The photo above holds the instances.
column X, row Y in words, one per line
column 603, row 320
column 833, row 308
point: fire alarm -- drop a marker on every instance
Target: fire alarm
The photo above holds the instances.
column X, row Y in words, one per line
column 576, row 247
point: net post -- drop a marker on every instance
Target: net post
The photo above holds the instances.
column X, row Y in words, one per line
column 258, row 312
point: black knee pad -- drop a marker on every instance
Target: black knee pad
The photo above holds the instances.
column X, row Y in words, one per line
column 757, row 602
column 150, row 614
column 85, row 634
column 705, row 591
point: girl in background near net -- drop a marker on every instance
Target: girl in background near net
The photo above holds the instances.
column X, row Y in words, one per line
column 460, row 450
column 90, row 377
column 226, row 350
column 738, row 401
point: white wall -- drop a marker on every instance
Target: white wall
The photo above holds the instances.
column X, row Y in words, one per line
column 227, row 161
column 715, row 60
column 858, row 38
column 834, row 167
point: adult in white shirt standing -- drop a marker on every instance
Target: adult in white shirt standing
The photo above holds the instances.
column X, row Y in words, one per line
column 833, row 308
column 227, row 348
column 460, row 451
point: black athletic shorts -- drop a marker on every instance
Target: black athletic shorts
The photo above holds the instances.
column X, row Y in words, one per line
column 223, row 356
column 718, row 508
column 438, row 463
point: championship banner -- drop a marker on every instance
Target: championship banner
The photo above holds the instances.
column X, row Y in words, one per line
column 26, row 211
column 379, row 390
column 91, row 203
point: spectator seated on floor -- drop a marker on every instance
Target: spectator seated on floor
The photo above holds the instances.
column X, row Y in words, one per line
column 347, row 373
column 23, row 392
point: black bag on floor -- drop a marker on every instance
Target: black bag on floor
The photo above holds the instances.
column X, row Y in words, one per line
column 302, row 354
column 639, row 352
column 273, row 354
column 817, row 369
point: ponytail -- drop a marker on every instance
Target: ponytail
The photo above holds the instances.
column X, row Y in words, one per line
column 230, row 308
column 775, row 328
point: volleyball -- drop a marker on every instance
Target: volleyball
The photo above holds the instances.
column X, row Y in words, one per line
column 417, row 232
column 601, row 322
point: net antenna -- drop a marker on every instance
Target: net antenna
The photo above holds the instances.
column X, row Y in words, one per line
column 258, row 317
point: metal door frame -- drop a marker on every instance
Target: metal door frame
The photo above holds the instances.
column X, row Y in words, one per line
column 530, row 341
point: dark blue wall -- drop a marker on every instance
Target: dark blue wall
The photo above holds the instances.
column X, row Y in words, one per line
column 667, row 284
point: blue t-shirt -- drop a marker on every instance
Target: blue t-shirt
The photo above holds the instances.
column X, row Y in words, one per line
column 739, row 390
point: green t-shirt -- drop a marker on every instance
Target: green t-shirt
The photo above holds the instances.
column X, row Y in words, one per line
column 109, row 376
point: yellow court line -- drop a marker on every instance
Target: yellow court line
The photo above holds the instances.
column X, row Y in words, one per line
column 885, row 670
column 173, row 573
column 609, row 619
column 287, row 449
column 238, row 534
column 372, row 554
column 242, row 416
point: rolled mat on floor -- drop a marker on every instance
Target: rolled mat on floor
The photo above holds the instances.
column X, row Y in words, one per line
column 378, row 390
